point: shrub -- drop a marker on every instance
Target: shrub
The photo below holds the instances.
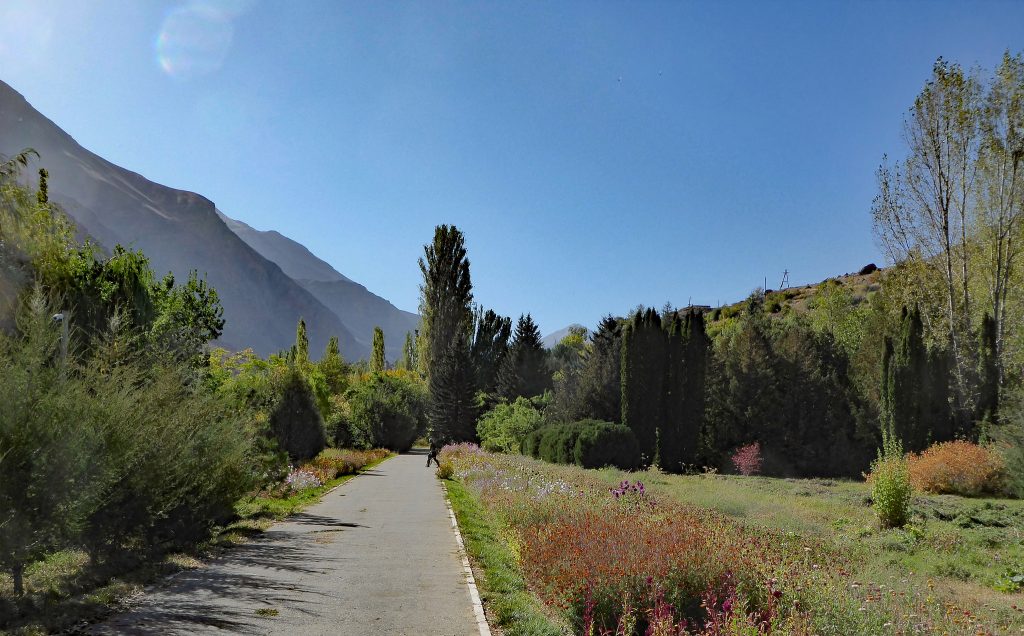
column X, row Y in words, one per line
column 295, row 421
column 558, row 443
column 388, row 410
column 747, row 459
column 606, row 444
column 891, row 490
column 503, row 428
column 959, row 468
column 531, row 444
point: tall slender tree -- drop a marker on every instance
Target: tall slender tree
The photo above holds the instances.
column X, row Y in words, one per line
column 446, row 296
column 408, row 359
column 332, row 365
column 673, row 445
column 643, row 374
column 301, row 343
column 377, row 361
column 988, row 372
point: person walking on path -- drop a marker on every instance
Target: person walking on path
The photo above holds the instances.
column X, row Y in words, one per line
column 432, row 455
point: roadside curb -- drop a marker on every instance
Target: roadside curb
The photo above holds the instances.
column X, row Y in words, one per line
column 474, row 594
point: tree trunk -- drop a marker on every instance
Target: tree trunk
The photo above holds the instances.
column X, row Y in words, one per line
column 18, row 573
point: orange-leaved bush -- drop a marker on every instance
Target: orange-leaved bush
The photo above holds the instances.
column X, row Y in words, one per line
column 959, row 468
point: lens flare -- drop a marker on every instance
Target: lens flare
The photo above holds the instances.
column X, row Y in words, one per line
column 194, row 40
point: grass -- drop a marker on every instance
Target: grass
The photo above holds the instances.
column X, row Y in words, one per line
column 64, row 590
column 502, row 586
column 968, row 550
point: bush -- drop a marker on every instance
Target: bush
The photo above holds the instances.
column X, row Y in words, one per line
column 558, row 443
column 388, row 410
column 606, row 444
column 531, row 444
column 503, row 428
column 958, row 468
column 747, row 459
column 891, row 490
column 295, row 421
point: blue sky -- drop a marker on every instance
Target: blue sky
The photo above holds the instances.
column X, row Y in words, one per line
column 596, row 154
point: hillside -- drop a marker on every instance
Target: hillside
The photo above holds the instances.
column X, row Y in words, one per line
column 178, row 230
column 798, row 298
column 359, row 309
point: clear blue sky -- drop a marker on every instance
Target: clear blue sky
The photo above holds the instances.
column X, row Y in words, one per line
column 596, row 154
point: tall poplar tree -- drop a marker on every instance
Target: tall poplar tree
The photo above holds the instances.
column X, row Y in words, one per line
column 446, row 297
column 332, row 365
column 408, row 359
column 301, row 343
column 377, row 361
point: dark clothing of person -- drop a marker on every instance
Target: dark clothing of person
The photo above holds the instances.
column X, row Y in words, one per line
column 432, row 456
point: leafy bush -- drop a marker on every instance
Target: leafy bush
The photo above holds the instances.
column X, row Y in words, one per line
column 959, row 468
column 747, row 459
column 388, row 410
column 503, row 428
column 606, row 444
column 558, row 443
column 531, row 443
column 295, row 421
column 891, row 490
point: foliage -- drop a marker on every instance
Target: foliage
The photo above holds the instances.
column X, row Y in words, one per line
column 601, row 444
column 503, row 428
column 891, row 488
column 452, row 410
column 643, row 376
column 490, row 344
column 958, row 467
column 524, row 369
column 295, row 421
column 332, row 366
column 387, row 410
column 747, row 459
column 377, row 360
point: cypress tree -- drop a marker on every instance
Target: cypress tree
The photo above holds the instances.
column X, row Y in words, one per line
column 524, row 370
column 445, row 304
column 408, row 359
column 332, row 365
column 643, row 374
column 43, row 194
column 600, row 381
column 672, row 444
column 695, row 364
column 301, row 343
column 377, row 362
column 915, row 386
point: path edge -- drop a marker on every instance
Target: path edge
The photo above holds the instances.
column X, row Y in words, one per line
column 474, row 594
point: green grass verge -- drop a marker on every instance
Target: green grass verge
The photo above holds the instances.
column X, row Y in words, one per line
column 502, row 586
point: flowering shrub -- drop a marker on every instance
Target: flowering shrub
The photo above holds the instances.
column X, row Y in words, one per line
column 328, row 465
column 959, row 467
column 301, row 479
column 747, row 459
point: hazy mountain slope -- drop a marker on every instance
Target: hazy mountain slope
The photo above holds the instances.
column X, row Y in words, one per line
column 359, row 309
column 292, row 257
column 362, row 310
column 177, row 230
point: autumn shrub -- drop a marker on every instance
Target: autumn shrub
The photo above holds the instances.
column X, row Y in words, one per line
column 891, row 489
column 959, row 468
column 747, row 459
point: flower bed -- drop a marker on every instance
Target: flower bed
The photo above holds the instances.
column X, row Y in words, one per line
column 626, row 561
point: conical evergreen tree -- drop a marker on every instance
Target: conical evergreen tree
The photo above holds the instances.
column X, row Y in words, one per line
column 600, row 380
column 524, row 370
column 445, row 304
column 377, row 362
column 695, row 363
column 672, row 442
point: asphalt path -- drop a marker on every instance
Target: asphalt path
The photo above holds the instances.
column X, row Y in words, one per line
column 376, row 556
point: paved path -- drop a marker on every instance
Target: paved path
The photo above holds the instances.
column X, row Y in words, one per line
column 376, row 556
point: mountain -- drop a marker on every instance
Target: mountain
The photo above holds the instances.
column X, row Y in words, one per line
column 360, row 309
column 549, row 341
column 179, row 231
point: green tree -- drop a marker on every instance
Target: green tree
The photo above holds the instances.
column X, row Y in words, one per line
column 387, row 411
column 446, row 296
column 377, row 360
column 988, row 372
column 503, row 428
column 295, row 421
column 332, row 365
column 643, row 376
column 408, row 360
column 524, row 370
column 301, row 343
column 490, row 344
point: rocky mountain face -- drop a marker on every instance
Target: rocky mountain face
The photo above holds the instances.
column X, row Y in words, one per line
column 360, row 309
column 180, row 231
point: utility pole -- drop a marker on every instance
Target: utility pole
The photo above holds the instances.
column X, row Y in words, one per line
column 785, row 280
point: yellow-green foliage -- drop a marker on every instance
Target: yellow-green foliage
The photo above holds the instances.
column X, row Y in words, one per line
column 891, row 490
